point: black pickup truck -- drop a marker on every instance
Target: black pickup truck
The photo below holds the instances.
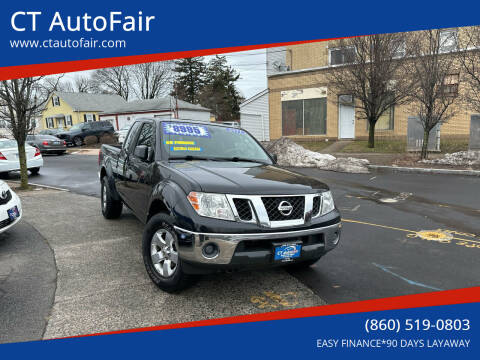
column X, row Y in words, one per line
column 213, row 199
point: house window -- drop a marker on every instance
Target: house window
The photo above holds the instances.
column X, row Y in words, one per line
column 55, row 101
column 89, row 117
column 50, row 123
column 304, row 117
column 399, row 48
column 341, row 56
column 450, row 85
column 448, row 40
column 68, row 120
column 385, row 121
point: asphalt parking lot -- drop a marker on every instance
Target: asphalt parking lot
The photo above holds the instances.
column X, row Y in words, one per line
column 402, row 234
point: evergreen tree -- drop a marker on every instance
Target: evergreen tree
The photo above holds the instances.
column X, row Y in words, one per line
column 220, row 93
column 189, row 79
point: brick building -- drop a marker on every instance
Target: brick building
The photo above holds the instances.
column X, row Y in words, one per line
column 304, row 107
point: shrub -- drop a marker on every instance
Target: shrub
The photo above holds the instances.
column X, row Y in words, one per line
column 90, row 140
column 108, row 139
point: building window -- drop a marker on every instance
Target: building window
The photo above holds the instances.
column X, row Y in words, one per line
column 341, row 56
column 50, row 123
column 399, row 48
column 68, row 120
column 385, row 122
column 89, row 117
column 304, row 117
column 55, row 101
column 450, row 85
column 448, row 40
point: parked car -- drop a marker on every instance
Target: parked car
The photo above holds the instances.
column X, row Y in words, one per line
column 10, row 207
column 234, row 124
column 78, row 132
column 122, row 133
column 9, row 160
column 213, row 199
column 49, row 132
column 48, row 144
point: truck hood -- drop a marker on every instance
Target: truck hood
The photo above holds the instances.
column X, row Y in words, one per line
column 244, row 178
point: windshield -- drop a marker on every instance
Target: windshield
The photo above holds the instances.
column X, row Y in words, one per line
column 76, row 127
column 185, row 140
column 5, row 144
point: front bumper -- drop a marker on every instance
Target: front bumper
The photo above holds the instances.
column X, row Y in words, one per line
column 243, row 250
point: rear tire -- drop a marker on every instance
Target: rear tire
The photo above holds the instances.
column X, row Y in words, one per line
column 77, row 141
column 160, row 255
column 35, row 170
column 111, row 208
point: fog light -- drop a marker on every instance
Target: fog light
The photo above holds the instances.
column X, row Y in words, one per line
column 210, row 250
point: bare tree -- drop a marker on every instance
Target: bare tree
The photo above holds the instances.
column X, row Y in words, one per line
column 436, row 77
column 372, row 71
column 469, row 60
column 116, row 80
column 82, row 84
column 21, row 100
column 152, row 80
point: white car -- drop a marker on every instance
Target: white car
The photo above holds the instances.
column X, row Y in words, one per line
column 9, row 157
column 10, row 207
column 122, row 133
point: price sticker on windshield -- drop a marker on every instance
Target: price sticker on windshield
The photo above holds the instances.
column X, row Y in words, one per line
column 185, row 129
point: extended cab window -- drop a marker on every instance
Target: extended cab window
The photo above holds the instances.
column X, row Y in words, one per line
column 132, row 134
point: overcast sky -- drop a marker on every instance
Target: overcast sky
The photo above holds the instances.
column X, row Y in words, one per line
column 251, row 65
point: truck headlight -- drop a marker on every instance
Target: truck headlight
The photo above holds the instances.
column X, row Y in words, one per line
column 327, row 203
column 211, row 205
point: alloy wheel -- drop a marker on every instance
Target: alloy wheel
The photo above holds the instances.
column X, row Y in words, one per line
column 164, row 253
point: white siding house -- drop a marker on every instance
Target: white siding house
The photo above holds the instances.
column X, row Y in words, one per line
column 254, row 116
column 162, row 108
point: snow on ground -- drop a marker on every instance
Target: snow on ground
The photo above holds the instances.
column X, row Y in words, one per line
column 291, row 154
column 465, row 158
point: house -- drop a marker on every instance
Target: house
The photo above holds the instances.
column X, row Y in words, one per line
column 303, row 106
column 254, row 116
column 64, row 109
column 167, row 107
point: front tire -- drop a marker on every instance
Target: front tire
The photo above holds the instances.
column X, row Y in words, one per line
column 35, row 170
column 111, row 208
column 160, row 255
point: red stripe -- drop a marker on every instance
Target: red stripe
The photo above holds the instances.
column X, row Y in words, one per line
column 21, row 71
column 448, row 297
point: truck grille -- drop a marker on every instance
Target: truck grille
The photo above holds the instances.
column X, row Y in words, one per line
column 274, row 214
column 316, row 205
column 243, row 209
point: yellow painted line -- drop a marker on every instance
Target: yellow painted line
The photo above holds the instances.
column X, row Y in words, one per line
column 398, row 229
column 378, row 225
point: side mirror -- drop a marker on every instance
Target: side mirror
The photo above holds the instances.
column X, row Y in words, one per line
column 141, row 151
column 274, row 157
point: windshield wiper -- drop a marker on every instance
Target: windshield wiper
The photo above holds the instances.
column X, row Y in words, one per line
column 188, row 157
column 236, row 159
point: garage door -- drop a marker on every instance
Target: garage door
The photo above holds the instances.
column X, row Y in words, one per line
column 255, row 125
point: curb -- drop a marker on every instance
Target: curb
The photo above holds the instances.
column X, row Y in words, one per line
column 40, row 185
column 425, row 170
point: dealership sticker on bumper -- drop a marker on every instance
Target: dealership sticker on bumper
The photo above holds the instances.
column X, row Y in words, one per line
column 287, row 251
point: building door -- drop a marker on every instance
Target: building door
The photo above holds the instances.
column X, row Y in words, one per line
column 346, row 117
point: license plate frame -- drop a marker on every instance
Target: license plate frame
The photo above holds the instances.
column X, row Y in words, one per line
column 13, row 213
column 287, row 251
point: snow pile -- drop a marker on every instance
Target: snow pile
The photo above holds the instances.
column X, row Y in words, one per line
column 291, row 154
column 461, row 158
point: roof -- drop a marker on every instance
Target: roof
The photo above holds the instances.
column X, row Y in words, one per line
column 159, row 104
column 91, row 102
column 254, row 97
